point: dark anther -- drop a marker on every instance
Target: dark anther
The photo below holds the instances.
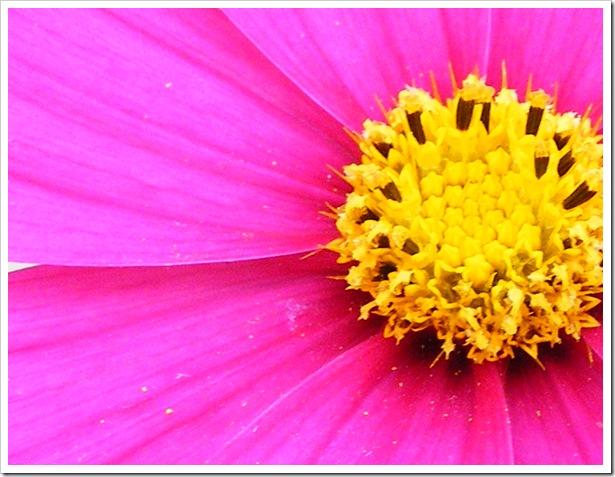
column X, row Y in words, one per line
column 391, row 191
column 368, row 215
column 383, row 242
column 580, row 195
column 560, row 140
column 464, row 114
column 414, row 121
column 384, row 270
column 565, row 163
column 383, row 148
column 567, row 243
column 533, row 120
column 484, row 115
column 410, row 247
column 540, row 164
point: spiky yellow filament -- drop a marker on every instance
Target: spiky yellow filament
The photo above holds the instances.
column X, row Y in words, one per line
column 480, row 218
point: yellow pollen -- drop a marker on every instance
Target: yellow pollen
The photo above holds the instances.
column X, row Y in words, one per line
column 480, row 218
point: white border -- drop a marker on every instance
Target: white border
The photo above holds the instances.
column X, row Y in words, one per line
column 451, row 4
column 4, row 233
column 329, row 469
column 607, row 301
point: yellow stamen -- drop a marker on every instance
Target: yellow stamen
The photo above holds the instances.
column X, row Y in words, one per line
column 453, row 79
column 504, row 76
column 480, row 217
column 528, row 88
column 555, row 93
column 596, row 126
column 434, row 87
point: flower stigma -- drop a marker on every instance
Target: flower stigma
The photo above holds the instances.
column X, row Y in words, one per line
column 479, row 217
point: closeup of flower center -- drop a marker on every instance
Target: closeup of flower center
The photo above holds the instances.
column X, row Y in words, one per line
column 479, row 217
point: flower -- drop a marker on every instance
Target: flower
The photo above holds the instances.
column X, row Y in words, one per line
column 176, row 160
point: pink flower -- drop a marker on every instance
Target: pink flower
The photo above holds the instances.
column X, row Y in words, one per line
column 176, row 161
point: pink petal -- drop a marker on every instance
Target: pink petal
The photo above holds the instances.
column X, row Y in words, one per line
column 98, row 356
column 159, row 136
column 342, row 58
column 556, row 414
column 560, row 45
column 342, row 71
column 378, row 403
column 258, row 361
column 468, row 33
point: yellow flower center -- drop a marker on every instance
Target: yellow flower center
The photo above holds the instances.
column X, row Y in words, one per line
column 480, row 217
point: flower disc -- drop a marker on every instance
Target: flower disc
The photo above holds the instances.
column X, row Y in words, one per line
column 480, row 217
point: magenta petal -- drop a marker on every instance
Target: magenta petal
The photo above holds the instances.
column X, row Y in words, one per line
column 378, row 403
column 164, row 365
column 468, row 33
column 342, row 58
column 556, row 414
column 159, row 137
column 560, row 45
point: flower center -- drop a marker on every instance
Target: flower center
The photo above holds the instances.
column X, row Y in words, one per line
column 480, row 217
